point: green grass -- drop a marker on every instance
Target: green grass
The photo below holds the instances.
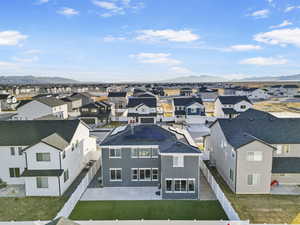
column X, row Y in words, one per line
column 30, row 208
column 148, row 210
column 272, row 209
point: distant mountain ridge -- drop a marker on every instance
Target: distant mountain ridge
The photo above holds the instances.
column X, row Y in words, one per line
column 209, row 78
column 34, row 80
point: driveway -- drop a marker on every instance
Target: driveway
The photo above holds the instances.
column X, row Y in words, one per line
column 121, row 193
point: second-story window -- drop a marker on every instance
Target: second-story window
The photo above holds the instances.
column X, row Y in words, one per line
column 114, row 153
column 20, row 150
column 12, row 151
column 178, row 161
column 43, row 157
column 254, row 156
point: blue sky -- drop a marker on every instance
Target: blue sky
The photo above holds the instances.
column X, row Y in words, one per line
column 136, row 40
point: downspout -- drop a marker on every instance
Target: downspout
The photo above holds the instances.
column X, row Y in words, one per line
column 236, row 161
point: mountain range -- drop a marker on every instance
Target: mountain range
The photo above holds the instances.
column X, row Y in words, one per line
column 34, row 80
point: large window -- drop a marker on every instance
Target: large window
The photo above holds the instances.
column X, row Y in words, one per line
column 115, row 174
column 14, row 172
column 144, row 153
column 42, row 182
column 253, row 179
column 43, row 157
column 115, row 153
column 178, row 161
column 144, row 174
column 180, row 185
column 254, row 156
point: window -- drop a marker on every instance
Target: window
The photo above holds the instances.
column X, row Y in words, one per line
column 134, row 174
column 231, row 174
column 169, row 185
column 43, row 157
column 253, row 179
column 12, row 151
column 64, row 154
column 286, row 149
column 178, row 161
column 145, row 153
column 254, row 156
column 115, row 153
column 135, row 153
column 66, row 175
column 14, row 172
column 20, row 150
column 154, row 174
column 180, row 185
column 115, row 174
column 243, row 106
column 279, row 149
column 42, row 182
column 77, row 144
column 154, row 152
column 191, row 185
column 73, row 147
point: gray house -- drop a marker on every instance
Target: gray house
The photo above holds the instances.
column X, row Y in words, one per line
column 149, row 155
column 255, row 151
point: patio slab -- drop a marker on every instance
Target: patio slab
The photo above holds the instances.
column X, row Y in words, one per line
column 286, row 190
column 14, row 190
column 120, row 193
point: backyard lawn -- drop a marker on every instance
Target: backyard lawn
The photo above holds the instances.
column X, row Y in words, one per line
column 148, row 210
column 271, row 209
column 30, row 208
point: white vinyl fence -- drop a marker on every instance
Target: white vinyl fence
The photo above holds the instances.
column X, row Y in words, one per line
column 229, row 210
column 76, row 195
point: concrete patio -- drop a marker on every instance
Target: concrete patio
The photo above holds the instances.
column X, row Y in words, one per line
column 286, row 190
column 121, row 193
column 13, row 191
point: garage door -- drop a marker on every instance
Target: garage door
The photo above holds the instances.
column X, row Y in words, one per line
column 147, row 120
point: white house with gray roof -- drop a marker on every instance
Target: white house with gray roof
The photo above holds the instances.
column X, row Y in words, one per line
column 231, row 106
column 41, row 107
column 255, row 151
column 149, row 155
column 44, row 156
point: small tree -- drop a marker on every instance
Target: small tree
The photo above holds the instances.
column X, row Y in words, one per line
column 2, row 184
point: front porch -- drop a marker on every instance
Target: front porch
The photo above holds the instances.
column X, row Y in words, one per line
column 121, row 193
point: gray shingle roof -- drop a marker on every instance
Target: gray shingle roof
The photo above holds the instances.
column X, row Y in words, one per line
column 149, row 135
column 240, row 131
column 286, row 165
column 51, row 101
column 186, row 101
column 135, row 101
column 42, row 173
column 117, row 94
column 28, row 132
column 232, row 100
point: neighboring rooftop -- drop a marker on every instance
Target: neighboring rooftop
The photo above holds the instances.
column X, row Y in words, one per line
column 135, row 101
column 232, row 100
column 117, row 94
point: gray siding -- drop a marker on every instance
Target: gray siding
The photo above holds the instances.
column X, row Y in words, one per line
column 190, row 170
column 127, row 163
column 244, row 168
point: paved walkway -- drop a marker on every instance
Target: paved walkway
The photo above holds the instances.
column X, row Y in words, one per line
column 286, row 190
column 120, row 193
column 206, row 193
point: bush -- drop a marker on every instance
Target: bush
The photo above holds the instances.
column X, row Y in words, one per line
column 2, row 184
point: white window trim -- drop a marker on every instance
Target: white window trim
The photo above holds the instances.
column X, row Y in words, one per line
column 152, row 174
column 115, row 157
column 137, row 179
column 181, row 157
column 187, row 185
column 181, row 179
column 145, row 174
column 253, row 160
column 117, row 180
column 171, row 179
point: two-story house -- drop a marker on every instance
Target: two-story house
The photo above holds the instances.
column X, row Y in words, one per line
column 231, row 106
column 118, row 101
column 149, row 155
column 96, row 111
column 44, row 156
column 142, row 110
column 255, row 150
column 41, row 107
column 188, row 108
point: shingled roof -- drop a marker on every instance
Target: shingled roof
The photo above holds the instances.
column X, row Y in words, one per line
column 135, row 101
column 29, row 132
column 232, row 100
column 149, row 135
column 186, row 101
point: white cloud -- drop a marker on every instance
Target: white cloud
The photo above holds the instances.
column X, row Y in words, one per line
column 168, row 35
column 11, row 38
column 68, row 11
column 283, row 24
column 7, row 64
column 280, row 37
column 43, row 1
column 107, row 5
column 260, row 14
column 33, row 52
column 155, row 58
column 241, row 48
column 112, row 38
column 263, row 61
column 291, row 8
column 26, row 60
column 180, row 70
